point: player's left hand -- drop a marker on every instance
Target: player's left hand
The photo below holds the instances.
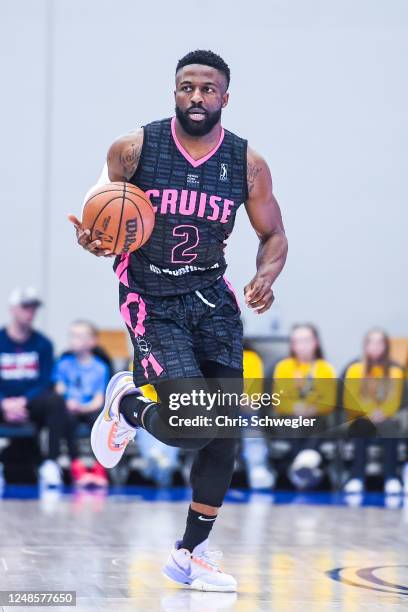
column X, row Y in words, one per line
column 73, row 405
column 258, row 294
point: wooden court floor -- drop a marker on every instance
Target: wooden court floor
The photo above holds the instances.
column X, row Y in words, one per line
column 285, row 557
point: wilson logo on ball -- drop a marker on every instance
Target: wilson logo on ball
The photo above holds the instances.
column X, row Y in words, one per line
column 130, row 237
column 120, row 215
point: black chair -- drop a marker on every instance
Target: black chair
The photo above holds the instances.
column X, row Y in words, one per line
column 28, row 430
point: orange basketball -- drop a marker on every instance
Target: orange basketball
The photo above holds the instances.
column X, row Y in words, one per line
column 120, row 215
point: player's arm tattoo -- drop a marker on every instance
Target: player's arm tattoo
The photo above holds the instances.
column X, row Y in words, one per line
column 129, row 159
column 252, row 172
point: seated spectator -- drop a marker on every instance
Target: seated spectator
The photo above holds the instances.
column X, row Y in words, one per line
column 26, row 362
column 405, row 398
column 255, row 450
column 373, row 388
column 161, row 461
column 306, row 383
column 81, row 377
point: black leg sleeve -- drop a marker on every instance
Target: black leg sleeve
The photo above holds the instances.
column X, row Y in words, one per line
column 212, row 469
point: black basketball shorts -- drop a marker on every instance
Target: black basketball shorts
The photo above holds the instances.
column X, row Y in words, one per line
column 173, row 335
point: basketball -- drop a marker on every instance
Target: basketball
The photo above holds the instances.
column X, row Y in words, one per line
column 120, row 215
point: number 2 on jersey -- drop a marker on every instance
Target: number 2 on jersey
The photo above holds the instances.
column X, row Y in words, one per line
column 181, row 253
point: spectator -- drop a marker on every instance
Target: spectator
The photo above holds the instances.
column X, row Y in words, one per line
column 373, row 388
column 405, row 468
column 255, row 450
column 81, row 377
column 160, row 460
column 306, row 383
column 26, row 361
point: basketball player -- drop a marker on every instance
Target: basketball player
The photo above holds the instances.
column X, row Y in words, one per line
column 180, row 311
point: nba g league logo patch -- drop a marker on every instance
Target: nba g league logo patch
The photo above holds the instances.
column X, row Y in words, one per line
column 223, row 172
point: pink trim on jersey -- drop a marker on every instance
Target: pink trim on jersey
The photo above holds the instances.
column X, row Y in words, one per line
column 122, row 269
column 194, row 162
column 139, row 329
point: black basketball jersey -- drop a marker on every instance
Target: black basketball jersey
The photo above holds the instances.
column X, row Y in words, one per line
column 195, row 203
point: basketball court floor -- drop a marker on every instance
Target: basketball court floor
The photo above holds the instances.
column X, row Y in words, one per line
column 288, row 552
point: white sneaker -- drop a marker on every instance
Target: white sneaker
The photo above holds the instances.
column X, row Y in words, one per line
column 50, row 474
column 260, row 477
column 355, row 485
column 198, row 570
column 355, row 500
column 306, row 470
column 392, row 486
column 111, row 433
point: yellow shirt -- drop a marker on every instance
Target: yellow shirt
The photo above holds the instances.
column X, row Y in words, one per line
column 363, row 395
column 253, row 372
column 313, row 384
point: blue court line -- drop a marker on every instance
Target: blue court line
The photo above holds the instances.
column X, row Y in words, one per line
column 236, row 496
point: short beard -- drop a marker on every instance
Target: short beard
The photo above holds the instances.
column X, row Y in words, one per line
column 198, row 128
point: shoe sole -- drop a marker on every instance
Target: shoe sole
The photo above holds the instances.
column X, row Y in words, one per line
column 199, row 585
column 100, row 419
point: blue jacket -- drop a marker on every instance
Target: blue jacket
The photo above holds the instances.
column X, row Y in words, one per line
column 26, row 367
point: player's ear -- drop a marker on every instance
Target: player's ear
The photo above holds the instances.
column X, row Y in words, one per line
column 225, row 99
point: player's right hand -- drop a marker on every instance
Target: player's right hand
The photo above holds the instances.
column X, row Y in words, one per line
column 84, row 239
column 14, row 409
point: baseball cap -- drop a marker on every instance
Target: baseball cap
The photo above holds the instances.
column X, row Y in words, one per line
column 24, row 296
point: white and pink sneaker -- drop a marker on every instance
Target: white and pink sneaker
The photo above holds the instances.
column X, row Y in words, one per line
column 198, row 570
column 111, row 433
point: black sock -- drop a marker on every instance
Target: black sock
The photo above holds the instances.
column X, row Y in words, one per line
column 197, row 530
column 130, row 410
